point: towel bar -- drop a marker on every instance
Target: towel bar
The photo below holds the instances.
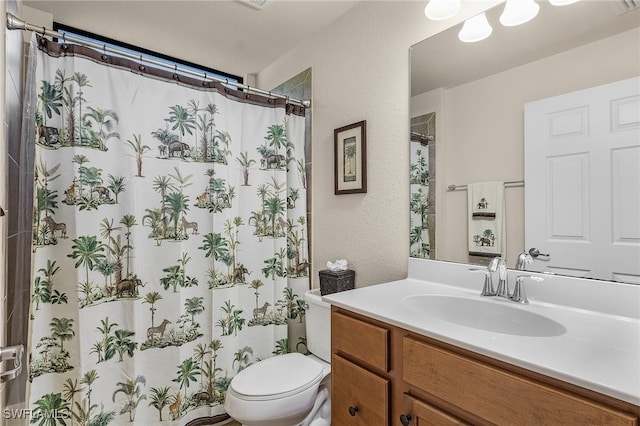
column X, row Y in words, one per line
column 509, row 184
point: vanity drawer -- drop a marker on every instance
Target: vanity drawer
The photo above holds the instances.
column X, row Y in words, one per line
column 358, row 396
column 360, row 339
column 498, row 396
column 425, row 414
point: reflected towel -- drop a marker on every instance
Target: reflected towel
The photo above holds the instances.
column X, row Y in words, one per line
column 487, row 232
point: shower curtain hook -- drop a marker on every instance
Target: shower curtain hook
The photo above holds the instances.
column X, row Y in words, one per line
column 44, row 31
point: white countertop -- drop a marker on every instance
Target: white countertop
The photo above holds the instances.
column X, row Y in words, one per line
column 599, row 350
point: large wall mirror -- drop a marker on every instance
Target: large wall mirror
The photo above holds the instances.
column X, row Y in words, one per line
column 467, row 115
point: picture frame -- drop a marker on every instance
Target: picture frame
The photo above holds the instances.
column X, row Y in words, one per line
column 350, row 157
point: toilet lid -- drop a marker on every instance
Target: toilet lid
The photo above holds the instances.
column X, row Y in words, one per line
column 277, row 377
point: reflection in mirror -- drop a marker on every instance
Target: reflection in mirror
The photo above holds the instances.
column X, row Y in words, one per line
column 423, row 194
column 478, row 93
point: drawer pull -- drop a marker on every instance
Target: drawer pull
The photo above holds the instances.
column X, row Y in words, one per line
column 353, row 411
column 405, row 419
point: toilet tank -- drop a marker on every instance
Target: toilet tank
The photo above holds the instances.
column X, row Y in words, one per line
column 318, row 325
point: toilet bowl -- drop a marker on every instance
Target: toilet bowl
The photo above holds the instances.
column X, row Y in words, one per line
column 290, row 389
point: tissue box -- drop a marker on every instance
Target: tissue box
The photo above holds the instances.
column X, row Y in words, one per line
column 333, row 282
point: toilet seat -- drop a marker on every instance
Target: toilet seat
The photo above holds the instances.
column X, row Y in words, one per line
column 277, row 377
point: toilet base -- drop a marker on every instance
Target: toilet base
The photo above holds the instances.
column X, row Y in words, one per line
column 319, row 415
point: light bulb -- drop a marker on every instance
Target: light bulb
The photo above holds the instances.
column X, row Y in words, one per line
column 475, row 29
column 439, row 10
column 518, row 12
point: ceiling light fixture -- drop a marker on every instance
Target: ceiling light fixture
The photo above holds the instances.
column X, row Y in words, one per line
column 475, row 29
column 562, row 2
column 439, row 10
column 518, row 12
column 256, row 4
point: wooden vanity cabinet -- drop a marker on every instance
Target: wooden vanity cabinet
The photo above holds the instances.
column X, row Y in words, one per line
column 421, row 413
column 360, row 385
column 384, row 375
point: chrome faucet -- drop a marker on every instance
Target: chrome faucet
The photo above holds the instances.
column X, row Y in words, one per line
column 498, row 265
column 523, row 260
column 519, row 295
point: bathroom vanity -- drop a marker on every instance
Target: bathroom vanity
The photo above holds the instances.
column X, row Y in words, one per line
column 395, row 363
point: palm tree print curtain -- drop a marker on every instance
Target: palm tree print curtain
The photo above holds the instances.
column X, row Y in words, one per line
column 169, row 240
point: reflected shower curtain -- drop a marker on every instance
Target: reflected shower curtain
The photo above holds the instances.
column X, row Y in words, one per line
column 169, row 238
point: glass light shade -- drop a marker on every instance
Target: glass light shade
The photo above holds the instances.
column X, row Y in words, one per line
column 475, row 29
column 518, row 12
column 562, row 2
column 438, row 10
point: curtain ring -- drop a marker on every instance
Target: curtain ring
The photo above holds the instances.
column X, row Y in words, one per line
column 44, row 31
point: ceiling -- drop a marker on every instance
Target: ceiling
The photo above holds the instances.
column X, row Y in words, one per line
column 444, row 61
column 235, row 37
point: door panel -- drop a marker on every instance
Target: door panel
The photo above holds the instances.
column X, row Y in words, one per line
column 582, row 193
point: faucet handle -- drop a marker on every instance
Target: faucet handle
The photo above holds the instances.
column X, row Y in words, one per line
column 519, row 295
column 487, row 288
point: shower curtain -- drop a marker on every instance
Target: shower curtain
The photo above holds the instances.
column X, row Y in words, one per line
column 169, row 236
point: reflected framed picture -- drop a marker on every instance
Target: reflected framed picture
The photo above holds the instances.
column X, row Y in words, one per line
column 350, row 153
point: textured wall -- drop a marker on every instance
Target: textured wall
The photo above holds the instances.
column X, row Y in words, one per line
column 361, row 72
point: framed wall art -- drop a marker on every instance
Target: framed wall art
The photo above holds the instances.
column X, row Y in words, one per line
column 350, row 145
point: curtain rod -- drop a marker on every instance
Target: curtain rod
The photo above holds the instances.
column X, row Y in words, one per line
column 506, row 184
column 15, row 23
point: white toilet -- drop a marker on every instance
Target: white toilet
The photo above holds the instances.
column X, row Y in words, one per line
column 291, row 389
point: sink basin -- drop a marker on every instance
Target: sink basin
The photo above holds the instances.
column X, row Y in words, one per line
column 488, row 315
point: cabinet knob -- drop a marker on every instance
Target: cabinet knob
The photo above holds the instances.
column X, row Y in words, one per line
column 405, row 419
column 353, row 410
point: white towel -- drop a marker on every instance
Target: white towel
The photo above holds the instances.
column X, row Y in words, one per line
column 487, row 226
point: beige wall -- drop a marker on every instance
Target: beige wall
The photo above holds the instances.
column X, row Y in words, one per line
column 480, row 135
column 361, row 72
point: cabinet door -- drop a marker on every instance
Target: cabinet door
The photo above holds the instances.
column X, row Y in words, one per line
column 367, row 342
column 358, row 396
column 420, row 413
column 499, row 396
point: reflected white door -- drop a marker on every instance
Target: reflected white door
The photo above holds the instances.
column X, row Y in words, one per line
column 582, row 182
